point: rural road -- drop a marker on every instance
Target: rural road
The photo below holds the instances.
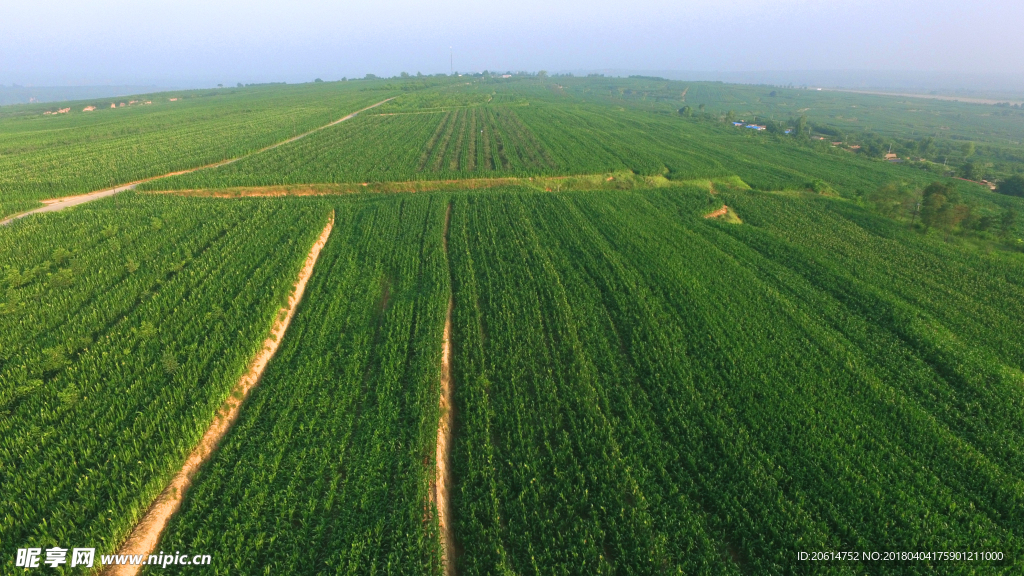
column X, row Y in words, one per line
column 58, row 204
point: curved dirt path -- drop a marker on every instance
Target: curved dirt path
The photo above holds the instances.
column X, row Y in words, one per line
column 57, row 204
column 146, row 535
column 444, row 435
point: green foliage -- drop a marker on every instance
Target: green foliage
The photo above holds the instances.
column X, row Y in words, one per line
column 91, row 425
column 329, row 465
column 1012, row 186
column 455, row 132
column 46, row 156
column 642, row 390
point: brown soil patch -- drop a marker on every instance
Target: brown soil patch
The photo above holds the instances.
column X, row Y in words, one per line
column 146, row 535
column 726, row 214
column 718, row 213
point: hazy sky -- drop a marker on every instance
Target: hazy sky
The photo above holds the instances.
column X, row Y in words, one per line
column 204, row 41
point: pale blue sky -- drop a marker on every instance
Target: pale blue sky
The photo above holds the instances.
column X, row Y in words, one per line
column 210, row 41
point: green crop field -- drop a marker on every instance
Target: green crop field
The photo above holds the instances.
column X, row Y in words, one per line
column 123, row 327
column 676, row 346
column 642, row 388
column 538, row 134
column 45, row 157
column 327, row 469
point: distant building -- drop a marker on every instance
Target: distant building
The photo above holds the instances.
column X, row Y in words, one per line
column 756, row 127
column 891, row 157
column 88, row 109
column 173, row 99
column 789, row 131
column 737, row 123
column 854, row 147
column 112, row 105
column 837, row 143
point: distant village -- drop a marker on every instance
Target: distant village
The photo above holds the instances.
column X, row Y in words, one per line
column 92, row 108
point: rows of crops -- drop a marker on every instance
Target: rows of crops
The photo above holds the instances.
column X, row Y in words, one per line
column 541, row 135
column 45, row 157
column 642, row 390
column 329, row 466
column 123, row 326
column 462, row 143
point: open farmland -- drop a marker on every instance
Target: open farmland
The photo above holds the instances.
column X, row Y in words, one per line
column 537, row 134
column 642, row 389
column 329, row 467
column 43, row 157
column 124, row 326
column 675, row 346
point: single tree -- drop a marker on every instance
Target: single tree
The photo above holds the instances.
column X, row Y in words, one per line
column 800, row 127
column 941, row 207
column 1007, row 223
column 926, row 146
column 893, row 200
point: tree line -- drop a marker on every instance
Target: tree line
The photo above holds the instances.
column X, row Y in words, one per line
column 940, row 206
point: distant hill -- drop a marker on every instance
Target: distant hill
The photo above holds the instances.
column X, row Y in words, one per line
column 15, row 94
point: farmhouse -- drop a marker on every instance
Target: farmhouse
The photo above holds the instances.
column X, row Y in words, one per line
column 756, row 127
column 88, row 109
column 737, row 123
column 891, row 157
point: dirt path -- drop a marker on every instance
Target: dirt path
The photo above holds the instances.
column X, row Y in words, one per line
column 444, row 435
column 146, row 535
column 57, row 204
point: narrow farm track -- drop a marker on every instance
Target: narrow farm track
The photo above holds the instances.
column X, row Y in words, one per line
column 146, row 535
column 57, row 204
column 444, row 434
